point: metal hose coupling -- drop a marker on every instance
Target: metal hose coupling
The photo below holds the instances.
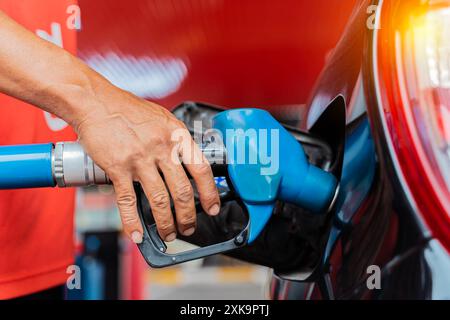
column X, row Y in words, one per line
column 72, row 166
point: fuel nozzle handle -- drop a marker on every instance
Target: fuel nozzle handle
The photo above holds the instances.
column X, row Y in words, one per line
column 288, row 176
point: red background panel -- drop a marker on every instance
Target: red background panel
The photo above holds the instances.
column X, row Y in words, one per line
column 235, row 53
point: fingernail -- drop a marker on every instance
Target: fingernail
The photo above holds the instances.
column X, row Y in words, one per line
column 189, row 231
column 214, row 210
column 136, row 236
column 171, row 237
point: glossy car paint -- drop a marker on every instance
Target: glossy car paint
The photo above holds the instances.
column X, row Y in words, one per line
column 385, row 230
column 276, row 55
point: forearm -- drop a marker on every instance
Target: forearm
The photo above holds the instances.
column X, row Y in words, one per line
column 41, row 73
column 128, row 137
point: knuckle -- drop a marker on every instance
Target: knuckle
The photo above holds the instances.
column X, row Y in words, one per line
column 115, row 173
column 124, row 158
column 129, row 219
column 187, row 220
column 184, row 194
column 160, row 199
column 116, row 169
column 180, row 124
column 136, row 155
column 186, row 135
column 126, row 200
column 210, row 196
column 203, row 169
column 158, row 141
column 165, row 226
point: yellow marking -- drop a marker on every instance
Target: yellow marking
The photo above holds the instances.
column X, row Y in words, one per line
column 168, row 276
column 235, row 274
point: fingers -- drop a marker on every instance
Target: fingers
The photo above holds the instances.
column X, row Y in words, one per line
column 200, row 170
column 159, row 200
column 181, row 191
column 126, row 202
column 183, row 196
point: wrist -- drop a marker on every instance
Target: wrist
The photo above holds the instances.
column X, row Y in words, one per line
column 85, row 101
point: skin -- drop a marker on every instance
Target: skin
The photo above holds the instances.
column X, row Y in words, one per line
column 131, row 139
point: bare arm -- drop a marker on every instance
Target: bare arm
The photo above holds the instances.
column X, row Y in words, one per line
column 128, row 137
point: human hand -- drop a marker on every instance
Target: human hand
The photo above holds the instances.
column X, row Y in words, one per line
column 132, row 139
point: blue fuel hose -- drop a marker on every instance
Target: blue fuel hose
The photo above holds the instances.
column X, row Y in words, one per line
column 26, row 166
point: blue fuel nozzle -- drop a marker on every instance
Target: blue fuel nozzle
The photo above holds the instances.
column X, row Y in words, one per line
column 266, row 163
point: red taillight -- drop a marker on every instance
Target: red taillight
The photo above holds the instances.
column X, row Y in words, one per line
column 412, row 70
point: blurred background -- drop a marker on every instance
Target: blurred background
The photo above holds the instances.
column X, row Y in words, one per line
column 230, row 53
column 112, row 267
